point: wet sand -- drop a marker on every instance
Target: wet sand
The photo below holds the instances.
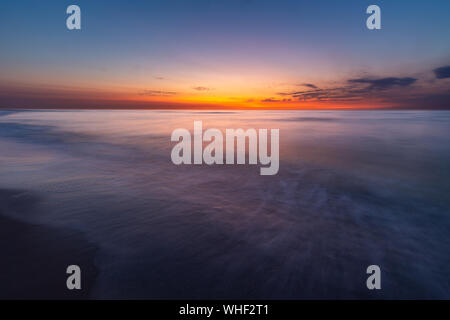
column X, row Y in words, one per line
column 34, row 258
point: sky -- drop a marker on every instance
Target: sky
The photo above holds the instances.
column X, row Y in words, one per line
column 225, row 54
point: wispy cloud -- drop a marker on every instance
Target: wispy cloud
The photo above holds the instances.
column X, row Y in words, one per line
column 157, row 93
column 309, row 85
column 330, row 94
column 200, row 88
column 276, row 100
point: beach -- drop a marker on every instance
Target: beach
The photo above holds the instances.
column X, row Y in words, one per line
column 35, row 257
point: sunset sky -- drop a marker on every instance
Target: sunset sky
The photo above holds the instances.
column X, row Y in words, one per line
column 225, row 54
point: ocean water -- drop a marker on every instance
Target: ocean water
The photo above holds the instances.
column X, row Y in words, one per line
column 355, row 188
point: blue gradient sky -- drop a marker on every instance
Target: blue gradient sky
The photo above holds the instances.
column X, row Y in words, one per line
column 224, row 53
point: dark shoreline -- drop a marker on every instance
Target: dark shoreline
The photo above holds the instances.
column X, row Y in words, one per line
column 35, row 257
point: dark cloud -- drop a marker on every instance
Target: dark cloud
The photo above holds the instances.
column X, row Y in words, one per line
column 160, row 78
column 392, row 92
column 353, row 90
column 442, row 72
column 156, row 93
column 309, row 85
column 201, row 88
column 384, row 83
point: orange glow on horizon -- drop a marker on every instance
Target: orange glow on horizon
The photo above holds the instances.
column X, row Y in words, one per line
column 66, row 96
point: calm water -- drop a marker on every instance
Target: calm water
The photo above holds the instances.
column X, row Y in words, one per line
column 355, row 188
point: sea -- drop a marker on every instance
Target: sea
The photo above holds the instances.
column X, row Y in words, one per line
column 354, row 189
